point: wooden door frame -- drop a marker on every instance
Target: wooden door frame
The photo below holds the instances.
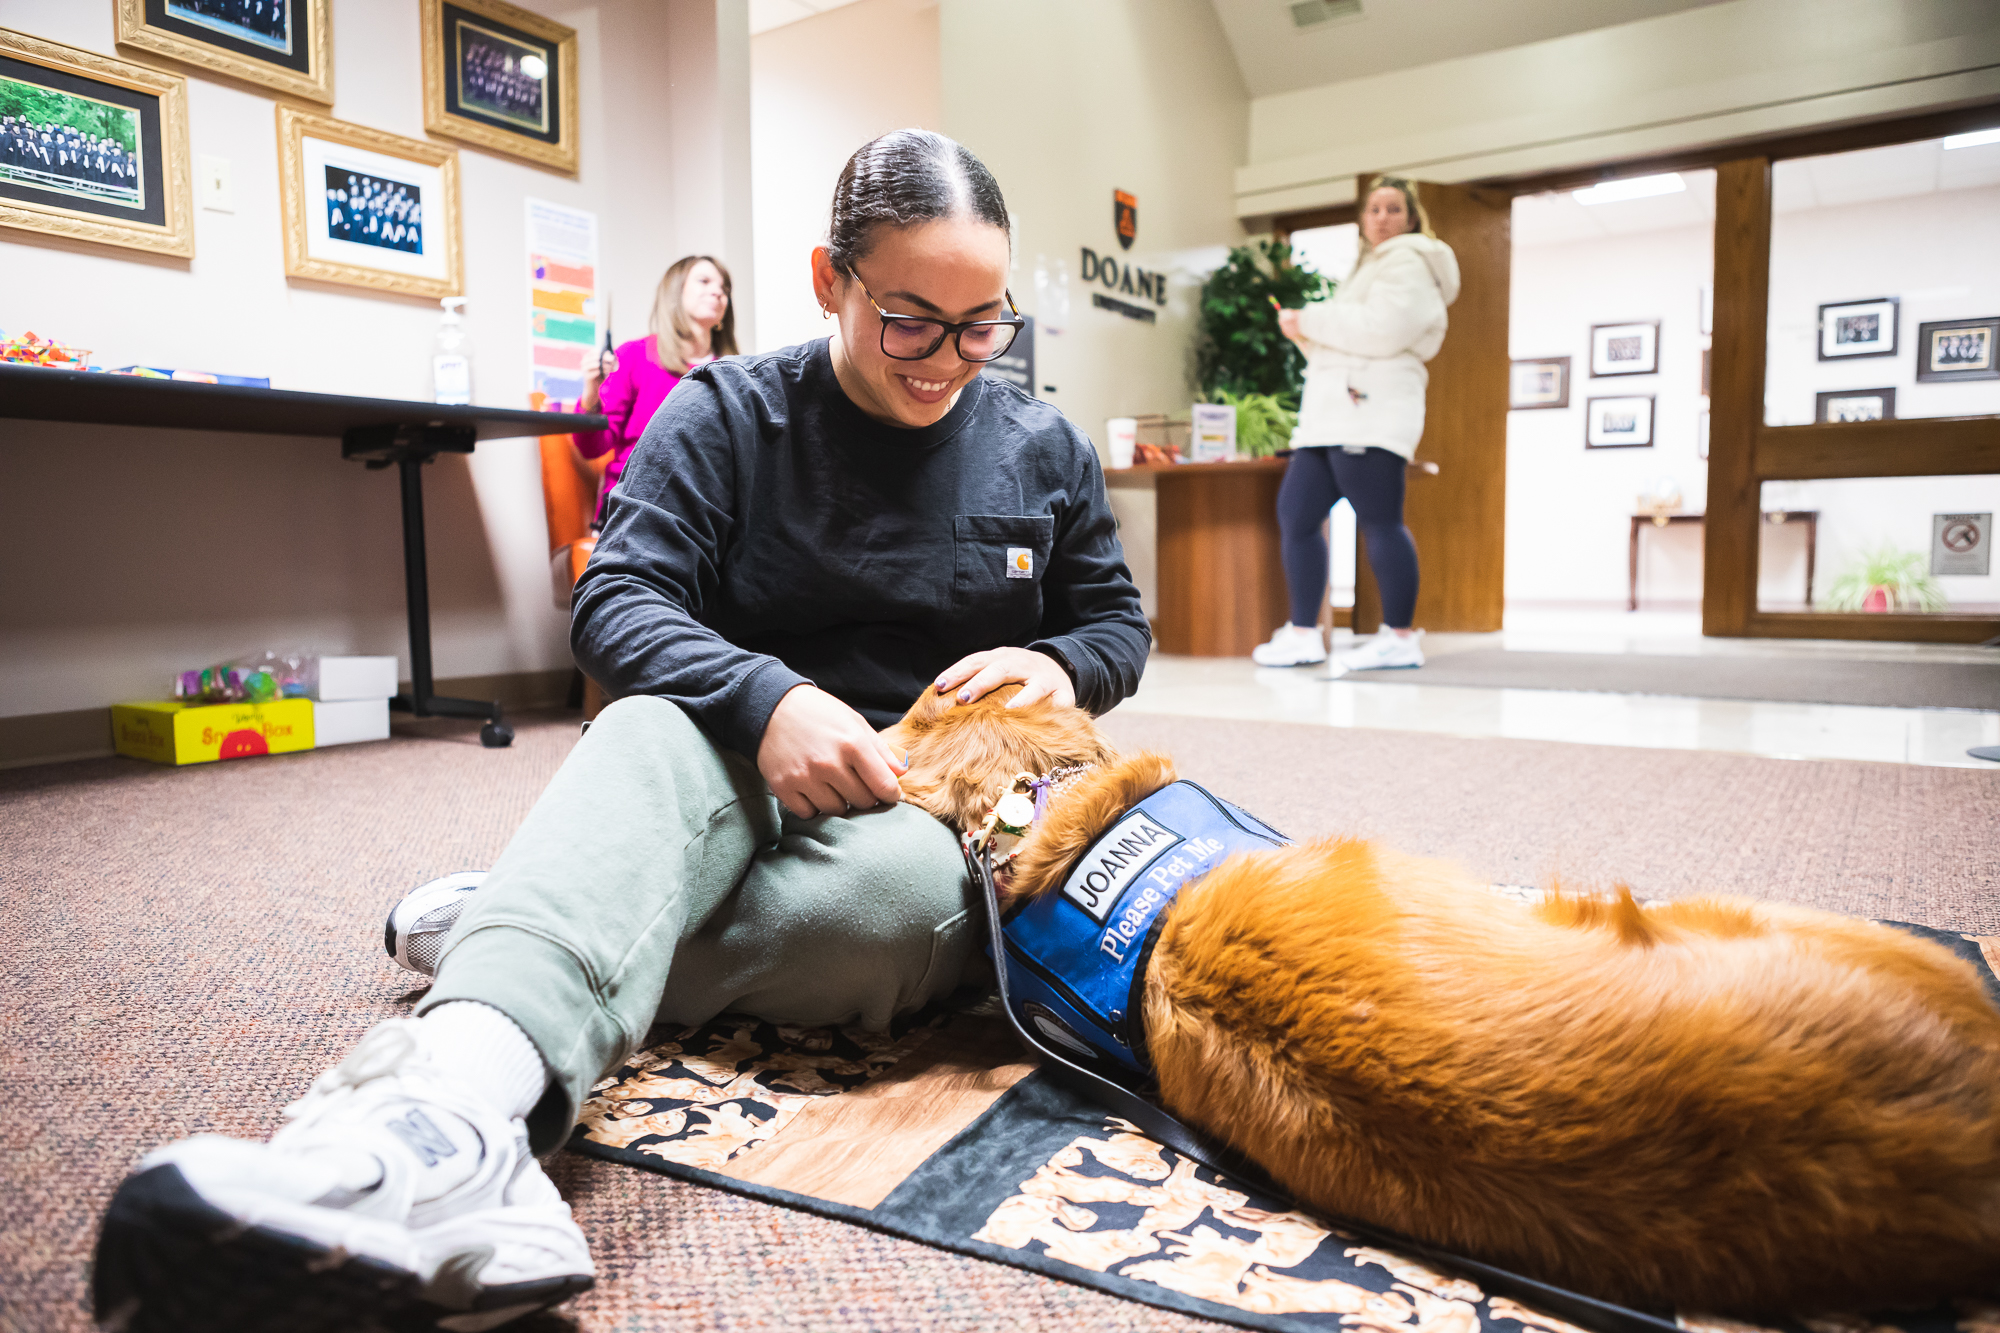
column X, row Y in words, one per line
column 1743, row 452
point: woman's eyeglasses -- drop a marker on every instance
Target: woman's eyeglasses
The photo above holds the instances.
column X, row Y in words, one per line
column 908, row 338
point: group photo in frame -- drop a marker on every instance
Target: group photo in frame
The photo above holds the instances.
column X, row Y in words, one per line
column 283, row 45
column 1850, row 329
column 92, row 148
column 1625, row 349
column 1855, row 405
column 1625, row 422
column 1541, row 382
column 1958, row 349
column 366, row 208
column 501, row 78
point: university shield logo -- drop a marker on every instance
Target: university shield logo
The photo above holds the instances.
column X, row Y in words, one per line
column 1125, row 216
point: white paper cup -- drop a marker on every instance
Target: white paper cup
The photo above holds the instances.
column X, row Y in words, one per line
column 1123, row 434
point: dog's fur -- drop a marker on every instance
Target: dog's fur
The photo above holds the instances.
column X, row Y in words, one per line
column 1713, row 1105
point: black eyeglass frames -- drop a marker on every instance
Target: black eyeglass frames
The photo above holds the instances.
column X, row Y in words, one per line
column 909, row 338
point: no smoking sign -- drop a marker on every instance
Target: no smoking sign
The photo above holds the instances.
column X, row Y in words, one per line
column 1961, row 543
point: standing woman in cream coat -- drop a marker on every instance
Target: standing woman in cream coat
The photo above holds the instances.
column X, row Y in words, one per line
column 1359, row 422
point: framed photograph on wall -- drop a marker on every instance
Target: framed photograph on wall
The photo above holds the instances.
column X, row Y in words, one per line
column 1850, row 329
column 1619, row 423
column 500, row 78
column 1543, row 382
column 367, row 208
column 1855, row 405
column 93, row 149
column 1625, row 349
column 1958, row 349
column 283, row 45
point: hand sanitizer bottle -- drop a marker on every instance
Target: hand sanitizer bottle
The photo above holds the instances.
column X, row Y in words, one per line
column 451, row 363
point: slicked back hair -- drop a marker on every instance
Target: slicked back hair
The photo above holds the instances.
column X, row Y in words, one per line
column 905, row 177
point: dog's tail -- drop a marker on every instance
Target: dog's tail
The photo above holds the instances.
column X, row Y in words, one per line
column 1080, row 814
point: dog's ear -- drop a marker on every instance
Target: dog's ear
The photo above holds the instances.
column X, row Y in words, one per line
column 1077, row 816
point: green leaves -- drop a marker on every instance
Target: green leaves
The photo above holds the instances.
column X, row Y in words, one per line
column 1902, row 577
column 1263, row 424
column 1238, row 349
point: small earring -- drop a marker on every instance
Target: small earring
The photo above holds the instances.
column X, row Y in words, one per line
column 826, row 312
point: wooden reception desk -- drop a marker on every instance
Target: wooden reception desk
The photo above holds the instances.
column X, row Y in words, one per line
column 1221, row 579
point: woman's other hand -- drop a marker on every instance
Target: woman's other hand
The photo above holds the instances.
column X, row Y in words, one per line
column 1041, row 677
column 822, row 758
column 1289, row 325
column 593, row 379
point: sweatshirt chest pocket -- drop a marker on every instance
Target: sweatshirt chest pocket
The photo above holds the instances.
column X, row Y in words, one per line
column 999, row 558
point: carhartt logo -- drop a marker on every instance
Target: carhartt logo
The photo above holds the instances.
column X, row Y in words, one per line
column 1135, row 843
column 1020, row 563
column 422, row 1137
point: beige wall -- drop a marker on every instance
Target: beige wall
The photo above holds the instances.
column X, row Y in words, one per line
column 1742, row 69
column 808, row 113
column 141, row 552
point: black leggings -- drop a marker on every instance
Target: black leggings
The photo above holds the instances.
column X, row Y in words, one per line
column 1372, row 482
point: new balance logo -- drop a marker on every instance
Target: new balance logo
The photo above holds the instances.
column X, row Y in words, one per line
column 422, row 1137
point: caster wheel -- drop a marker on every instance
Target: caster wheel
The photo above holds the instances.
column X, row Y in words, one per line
column 495, row 735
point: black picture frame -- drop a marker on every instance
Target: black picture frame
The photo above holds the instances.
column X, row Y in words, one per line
column 1827, row 404
column 1595, row 434
column 1840, row 321
column 1952, row 335
column 1604, row 340
column 1542, row 399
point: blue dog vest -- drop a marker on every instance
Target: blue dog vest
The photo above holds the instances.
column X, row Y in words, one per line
column 1076, row 958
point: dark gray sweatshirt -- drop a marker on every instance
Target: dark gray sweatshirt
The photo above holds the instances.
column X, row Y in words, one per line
column 768, row 533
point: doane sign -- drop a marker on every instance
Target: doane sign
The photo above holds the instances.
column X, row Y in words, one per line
column 1125, row 279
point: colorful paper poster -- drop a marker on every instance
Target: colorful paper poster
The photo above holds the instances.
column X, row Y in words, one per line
column 564, row 332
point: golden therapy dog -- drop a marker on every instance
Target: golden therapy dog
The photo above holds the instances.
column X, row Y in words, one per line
column 1715, row 1105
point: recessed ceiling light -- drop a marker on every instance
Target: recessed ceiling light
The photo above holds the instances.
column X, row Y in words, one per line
column 1974, row 139
column 1635, row 187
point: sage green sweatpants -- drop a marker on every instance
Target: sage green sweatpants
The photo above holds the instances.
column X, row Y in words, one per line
column 659, row 878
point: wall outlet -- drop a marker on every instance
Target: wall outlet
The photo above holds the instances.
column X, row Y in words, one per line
column 212, row 185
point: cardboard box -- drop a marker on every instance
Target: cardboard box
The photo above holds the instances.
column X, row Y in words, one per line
column 356, row 678
column 345, row 721
column 171, row 732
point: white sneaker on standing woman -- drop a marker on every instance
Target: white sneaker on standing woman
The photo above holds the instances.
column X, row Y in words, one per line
column 1386, row 649
column 1291, row 645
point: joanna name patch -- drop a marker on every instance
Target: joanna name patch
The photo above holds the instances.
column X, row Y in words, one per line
column 1115, row 860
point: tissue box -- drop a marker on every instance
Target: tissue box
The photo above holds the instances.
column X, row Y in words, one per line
column 172, row 732
column 356, row 678
column 345, row 721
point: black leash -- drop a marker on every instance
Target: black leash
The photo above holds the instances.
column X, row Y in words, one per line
column 1164, row 1129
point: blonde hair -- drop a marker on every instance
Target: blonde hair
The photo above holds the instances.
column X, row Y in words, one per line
column 673, row 333
column 1414, row 206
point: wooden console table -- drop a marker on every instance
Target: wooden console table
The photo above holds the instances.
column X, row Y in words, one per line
column 1809, row 517
column 1221, row 576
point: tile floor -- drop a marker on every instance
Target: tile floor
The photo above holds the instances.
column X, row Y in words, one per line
column 1237, row 688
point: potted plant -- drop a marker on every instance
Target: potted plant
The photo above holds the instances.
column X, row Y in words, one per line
column 1886, row 579
column 1238, row 349
column 1263, row 424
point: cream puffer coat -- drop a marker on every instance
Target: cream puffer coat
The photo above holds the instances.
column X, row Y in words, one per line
column 1373, row 338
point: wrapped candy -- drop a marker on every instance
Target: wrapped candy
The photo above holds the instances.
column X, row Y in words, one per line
column 259, row 678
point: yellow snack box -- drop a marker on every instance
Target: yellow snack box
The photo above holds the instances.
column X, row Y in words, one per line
column 172, row 732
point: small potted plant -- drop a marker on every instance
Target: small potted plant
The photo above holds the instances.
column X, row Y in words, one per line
column 1886, row 579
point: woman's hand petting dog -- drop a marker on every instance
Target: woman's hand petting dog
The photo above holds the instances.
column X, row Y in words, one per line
column 822, row 758
column 1040, row 676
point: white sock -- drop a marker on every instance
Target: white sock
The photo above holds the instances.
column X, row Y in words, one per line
column 487, row 1050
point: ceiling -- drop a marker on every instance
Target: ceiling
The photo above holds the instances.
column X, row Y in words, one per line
column 768, row 14
column 1899, row 171
column 1276, row 56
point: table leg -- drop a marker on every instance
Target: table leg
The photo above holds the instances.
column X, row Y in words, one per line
column 422, row 700
column 1632, row 601
column 1812, row 553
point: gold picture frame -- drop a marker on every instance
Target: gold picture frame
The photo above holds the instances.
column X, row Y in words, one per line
column 366, row 208
column 139, row 197
column 540, row 124
column 302, row 67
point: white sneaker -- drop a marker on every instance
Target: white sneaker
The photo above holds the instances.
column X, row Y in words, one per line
column 1384, row 650
column 1291, row 645
column 419, row 923
column 394, row 1198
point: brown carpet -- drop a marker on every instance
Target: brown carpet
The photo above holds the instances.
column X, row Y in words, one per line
column 184, row 950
